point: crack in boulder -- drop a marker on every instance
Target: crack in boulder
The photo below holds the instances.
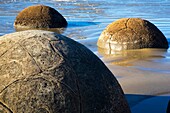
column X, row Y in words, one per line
column 4, row 107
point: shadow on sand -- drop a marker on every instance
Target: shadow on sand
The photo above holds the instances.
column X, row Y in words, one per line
column 147, row 103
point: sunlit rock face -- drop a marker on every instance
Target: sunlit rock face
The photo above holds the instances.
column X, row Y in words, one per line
column 39, row 17
column 43, row 72
column 131, row 33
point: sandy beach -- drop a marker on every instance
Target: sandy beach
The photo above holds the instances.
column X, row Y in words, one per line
column 144, row 77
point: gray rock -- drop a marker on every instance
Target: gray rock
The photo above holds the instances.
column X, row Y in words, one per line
column 41, row 71
column 131, row 33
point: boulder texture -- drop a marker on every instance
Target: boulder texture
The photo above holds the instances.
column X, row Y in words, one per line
column 131, row 33
column 43, row 72
column 39, row 16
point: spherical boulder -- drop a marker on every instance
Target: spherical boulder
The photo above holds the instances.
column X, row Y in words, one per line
column 43, row 72
column 131, row 33
column 39, row 16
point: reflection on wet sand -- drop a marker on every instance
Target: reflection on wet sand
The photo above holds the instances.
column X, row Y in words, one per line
column 128, row 57
column 142, row 71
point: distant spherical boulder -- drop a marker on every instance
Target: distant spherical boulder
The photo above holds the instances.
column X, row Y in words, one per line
column 43, row 72
column 39, row 16
column 131, row 33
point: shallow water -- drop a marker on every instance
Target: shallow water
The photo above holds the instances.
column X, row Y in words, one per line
column 140, row 72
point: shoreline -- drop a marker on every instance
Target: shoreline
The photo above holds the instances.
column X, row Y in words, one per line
column 145, row 81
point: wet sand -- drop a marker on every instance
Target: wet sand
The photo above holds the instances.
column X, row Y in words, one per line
column 144, row 76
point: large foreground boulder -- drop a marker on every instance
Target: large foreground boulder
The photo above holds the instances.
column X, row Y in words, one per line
column 131, row 33
column 42, row 72
column 39, row 16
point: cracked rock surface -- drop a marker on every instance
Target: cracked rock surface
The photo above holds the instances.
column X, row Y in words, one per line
column 39, row 16
column 43, row 72
column 131, row 33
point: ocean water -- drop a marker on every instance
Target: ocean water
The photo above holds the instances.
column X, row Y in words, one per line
column 143, row 74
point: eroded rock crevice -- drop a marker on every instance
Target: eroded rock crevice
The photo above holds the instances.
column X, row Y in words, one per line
column 4, row 108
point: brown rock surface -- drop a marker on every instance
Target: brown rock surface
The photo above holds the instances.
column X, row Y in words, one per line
column 39, row 16
column 42, row 72
column 131, row 33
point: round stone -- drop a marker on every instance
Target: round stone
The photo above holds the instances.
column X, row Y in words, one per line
column 39, row 16
column 131, row 33
column 41, row 71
